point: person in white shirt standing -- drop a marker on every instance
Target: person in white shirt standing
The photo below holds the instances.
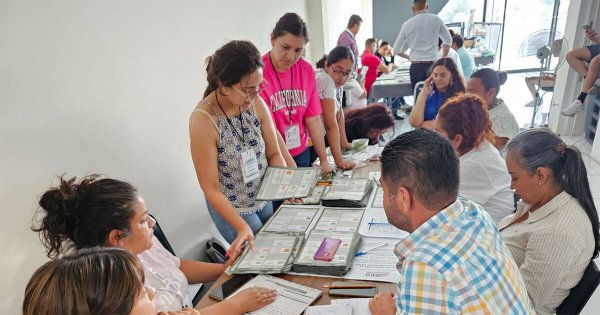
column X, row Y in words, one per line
column 416, row 34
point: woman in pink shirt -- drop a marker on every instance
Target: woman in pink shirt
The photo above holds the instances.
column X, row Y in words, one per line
column 291, row 94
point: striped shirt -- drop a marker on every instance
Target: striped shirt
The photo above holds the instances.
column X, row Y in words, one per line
column 552, row 248
column 456, row 262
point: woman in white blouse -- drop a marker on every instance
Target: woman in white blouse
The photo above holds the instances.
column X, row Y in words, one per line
column 485, row 83
column 554, row 233
column 484, row 179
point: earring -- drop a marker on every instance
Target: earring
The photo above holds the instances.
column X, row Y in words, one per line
column 120, row 244
column 539, row 183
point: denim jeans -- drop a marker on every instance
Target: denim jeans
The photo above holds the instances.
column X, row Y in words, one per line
column 255, row 221
column 302, row 159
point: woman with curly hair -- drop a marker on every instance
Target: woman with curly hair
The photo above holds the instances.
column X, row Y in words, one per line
column 444, row 82
column 464, row 120
column 369, row 122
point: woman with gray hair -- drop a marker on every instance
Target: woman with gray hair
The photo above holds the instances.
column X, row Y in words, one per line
column 554, row 233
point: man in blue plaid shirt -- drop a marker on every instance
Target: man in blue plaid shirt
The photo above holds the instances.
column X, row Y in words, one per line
column 454, row 261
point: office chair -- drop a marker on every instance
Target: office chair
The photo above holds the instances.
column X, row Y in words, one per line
column 581, row 293
column 417, row 90
column 162, row 238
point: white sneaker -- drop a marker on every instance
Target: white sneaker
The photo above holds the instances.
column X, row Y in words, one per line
column 573, row 108
column 532, row 103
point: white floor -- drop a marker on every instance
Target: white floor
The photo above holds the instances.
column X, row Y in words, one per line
column 515, row 94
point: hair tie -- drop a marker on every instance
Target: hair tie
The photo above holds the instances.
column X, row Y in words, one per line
column 560, row 148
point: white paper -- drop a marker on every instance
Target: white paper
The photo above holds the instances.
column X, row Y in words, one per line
column 375, row 224
column 376, row 265
column 359, row 306
column 344, row 309
column 376, row 200
column 292, row 298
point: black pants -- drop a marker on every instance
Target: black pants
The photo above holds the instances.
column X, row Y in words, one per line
column 419, row 72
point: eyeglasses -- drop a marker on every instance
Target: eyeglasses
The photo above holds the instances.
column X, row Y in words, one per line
column 250, row 93
column 340, row 73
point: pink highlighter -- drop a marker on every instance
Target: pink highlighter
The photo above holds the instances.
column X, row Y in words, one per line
column 327, row 249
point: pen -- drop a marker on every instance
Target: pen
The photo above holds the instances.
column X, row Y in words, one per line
column 369, row 249
column 349, row 285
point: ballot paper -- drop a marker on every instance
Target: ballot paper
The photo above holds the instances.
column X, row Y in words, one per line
column 286, row 182
column 359, row 306
column 377, row 198
column 331, row 309
column 293, row 219
column 375, row 224
column 292, row 298
column 375, row 265
column 272, row 253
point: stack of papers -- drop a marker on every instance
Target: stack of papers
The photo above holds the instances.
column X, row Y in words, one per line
column 273, row 253
column 345, row 309
column 286, row 182
column 291, row 220
column 339, row 220
column 341, row 262
column 348, row 192
column 292, row 298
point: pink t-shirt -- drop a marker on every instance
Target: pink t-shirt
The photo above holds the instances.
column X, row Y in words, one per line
column 370, row 60
column 301, row 99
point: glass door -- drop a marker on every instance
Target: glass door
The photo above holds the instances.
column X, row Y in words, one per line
column 527, row 25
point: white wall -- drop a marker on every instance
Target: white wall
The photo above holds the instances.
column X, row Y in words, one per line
column 108, row 86
column 335, row 19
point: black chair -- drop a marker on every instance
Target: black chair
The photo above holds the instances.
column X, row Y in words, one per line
column 162, row 238
column 582, row 292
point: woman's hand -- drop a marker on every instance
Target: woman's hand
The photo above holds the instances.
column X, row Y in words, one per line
column 345, row 165
column 293, row 201
column 251, row 299
column 383, row 304
column 245, row 235
column 326, row 168
column 591, row 33
column 427, row 85
column 347, row 146
column 184, row 311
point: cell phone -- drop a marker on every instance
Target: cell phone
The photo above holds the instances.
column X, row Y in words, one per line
column 354, row 292
column 327, row 249
column 229, row 287
column 589, row 25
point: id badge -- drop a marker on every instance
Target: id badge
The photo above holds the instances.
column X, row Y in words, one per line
column 249, row 165
column 292, row 137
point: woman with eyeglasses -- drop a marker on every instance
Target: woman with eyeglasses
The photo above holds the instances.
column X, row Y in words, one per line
column 107, row 212
column 291, row 95
column 233, row 140
column 332, row 72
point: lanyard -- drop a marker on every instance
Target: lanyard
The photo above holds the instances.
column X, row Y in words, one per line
column 240, row 135
column 169, row 285
column 289, row 107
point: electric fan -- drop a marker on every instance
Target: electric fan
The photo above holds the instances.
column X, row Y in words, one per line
column 550, row 48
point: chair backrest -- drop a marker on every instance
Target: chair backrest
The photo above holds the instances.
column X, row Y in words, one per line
column 160, row 235
column 582, row 292
column 417, row 90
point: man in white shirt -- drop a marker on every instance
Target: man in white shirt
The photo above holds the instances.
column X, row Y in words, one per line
column 417, row 34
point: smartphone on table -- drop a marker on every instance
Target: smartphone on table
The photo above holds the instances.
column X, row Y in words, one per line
column 229, row 287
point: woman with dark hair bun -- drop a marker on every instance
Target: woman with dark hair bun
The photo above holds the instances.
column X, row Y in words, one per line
column 484, row 179
column 444, row 82
column 553, row 236
column 110, row 213
column 486, row 83
column 369, row 122
column 233, row 140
